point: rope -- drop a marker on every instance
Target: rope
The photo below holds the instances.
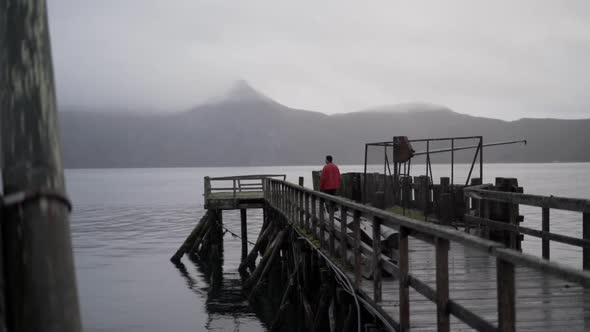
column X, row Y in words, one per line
column 234, row 234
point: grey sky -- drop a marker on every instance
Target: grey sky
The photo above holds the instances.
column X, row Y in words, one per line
column 502, row 59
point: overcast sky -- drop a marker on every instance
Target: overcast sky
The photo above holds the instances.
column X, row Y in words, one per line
column 502, row 59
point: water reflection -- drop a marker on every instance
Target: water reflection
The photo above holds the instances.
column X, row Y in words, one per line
column 225, row 303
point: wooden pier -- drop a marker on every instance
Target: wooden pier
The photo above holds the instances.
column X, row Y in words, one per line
column 432, row 277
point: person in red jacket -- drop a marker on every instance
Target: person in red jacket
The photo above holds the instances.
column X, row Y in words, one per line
column 329, row 179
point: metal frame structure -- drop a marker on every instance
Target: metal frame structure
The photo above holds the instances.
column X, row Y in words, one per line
column 397, row 165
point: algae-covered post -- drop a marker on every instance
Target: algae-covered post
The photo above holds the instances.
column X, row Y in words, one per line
column 40, row 284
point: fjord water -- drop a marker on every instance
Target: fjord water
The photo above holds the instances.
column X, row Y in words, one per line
column 126, row 224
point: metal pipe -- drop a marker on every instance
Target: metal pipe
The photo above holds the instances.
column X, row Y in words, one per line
column 481, row 158
column 469, row 147
column 452, row 163
column 473, row 164
column 443, row 139
column 365, row 176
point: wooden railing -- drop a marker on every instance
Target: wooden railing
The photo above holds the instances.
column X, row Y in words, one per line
column 305, row 209
column 546, row 203
column 240, row 183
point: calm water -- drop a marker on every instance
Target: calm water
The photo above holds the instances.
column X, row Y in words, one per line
column 128, row 222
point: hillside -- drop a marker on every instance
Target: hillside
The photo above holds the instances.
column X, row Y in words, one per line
column 245, row 127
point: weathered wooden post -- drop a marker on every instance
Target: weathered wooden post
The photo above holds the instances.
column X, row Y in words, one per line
column 307, row 215
column 301, row 199
column 40, row 282
column 314, row 223
column 377, row 259
column 425, row 190
column 475, row 204
column 506, row 212
column 322, row 222
column 442, row 284
column 357, row 247
column 506, row 293
column 343, row 234
column 404, row 291
column 446, row 202
column 407, row 192
column 545, row 227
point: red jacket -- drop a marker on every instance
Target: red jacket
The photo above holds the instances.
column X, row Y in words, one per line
column 330, row 177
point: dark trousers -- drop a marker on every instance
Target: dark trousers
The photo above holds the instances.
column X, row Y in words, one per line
column 329, row 192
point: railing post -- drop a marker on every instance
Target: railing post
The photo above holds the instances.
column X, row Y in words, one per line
column 277, row 195
column 207, row 187
column 377, row 259
column 302, row 211
column 404, row 292
column 343, row 234
column 314, row 222
column 264, row 192
column 322, row 224
column 306, row 198
column 513, row 215
column 505, row 284
column 442, row 284
column 291, row 205
column 293, row 209
column 357, row 247
column 586, row 234
column 487, row 207
column 445, row 208
column 331, row 233
column 285, row 200
column 545, row 228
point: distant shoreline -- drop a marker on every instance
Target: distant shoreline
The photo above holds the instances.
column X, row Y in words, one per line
column 313, row 165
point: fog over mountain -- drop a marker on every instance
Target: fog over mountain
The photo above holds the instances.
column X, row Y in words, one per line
column 245, row 127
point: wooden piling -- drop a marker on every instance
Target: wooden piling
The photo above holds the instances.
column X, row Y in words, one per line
column 265, row 262
column 188, row 243
column 39, row 282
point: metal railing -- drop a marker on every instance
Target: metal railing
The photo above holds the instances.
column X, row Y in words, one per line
column 305, row 208
column 546, row 203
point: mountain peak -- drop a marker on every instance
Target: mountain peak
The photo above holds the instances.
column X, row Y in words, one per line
column 242, row 91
